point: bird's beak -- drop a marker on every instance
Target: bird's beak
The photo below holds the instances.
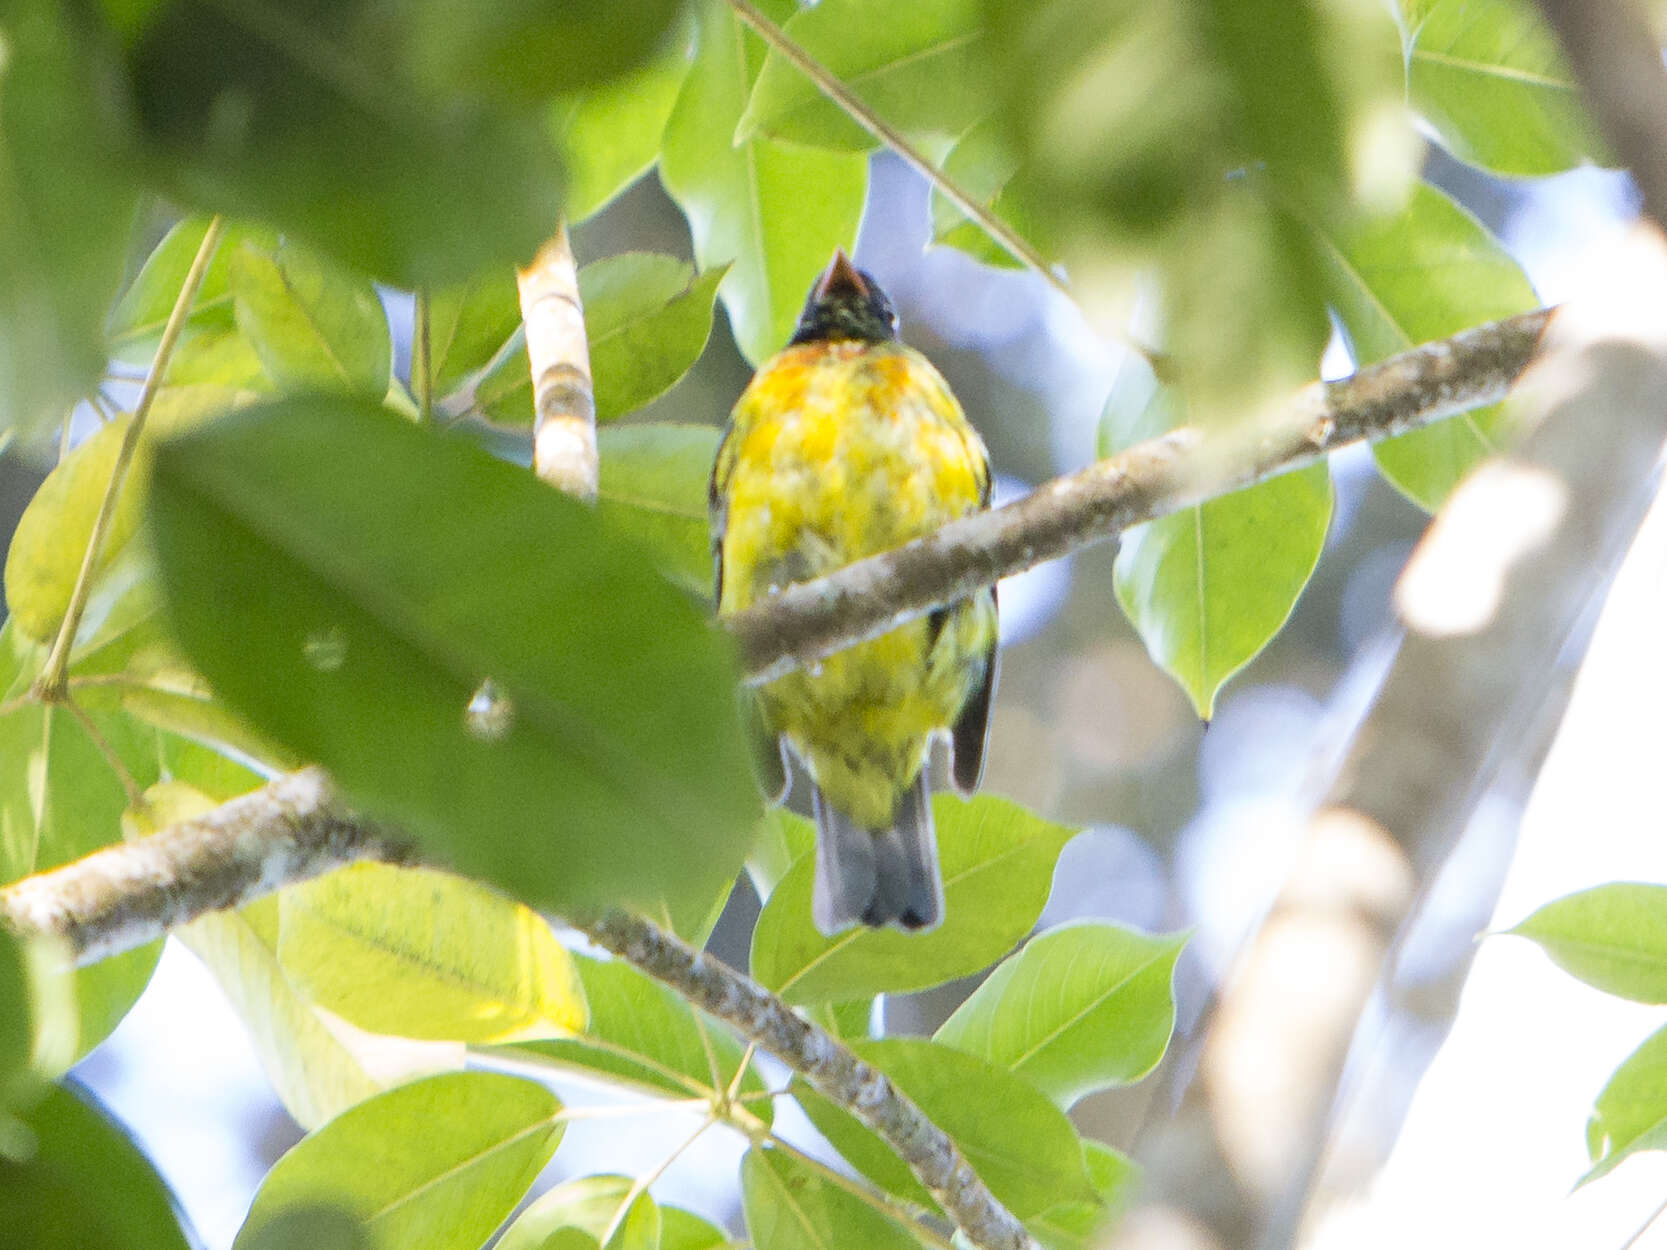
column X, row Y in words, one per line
column 841, row 278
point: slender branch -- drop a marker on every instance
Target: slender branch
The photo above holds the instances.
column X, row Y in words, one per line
column 811, row 620
column 422, row 358
column 50, row 684
column 564, row 405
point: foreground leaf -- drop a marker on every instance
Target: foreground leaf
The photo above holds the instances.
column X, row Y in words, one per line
column 1630, row 1115
column 777, row 212
column 37, row 1019
column 1613, row 937
column 997, row 861
column 419, row 953
column 1020, row 1144
column 364, row 632
column 1428, row 271
column 790, row 1207
column 1081, row 1008
column 611, row 134
column 653, row 489
column 438, row 1163
column 87, row 1184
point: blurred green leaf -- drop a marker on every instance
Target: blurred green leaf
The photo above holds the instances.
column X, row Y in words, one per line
column 313, row 324
column 1630, row 1115
column 1082, row 1007
column 684, row 1230
column 86, row 1185
column 38, row 1020
column 653, row 489
column 1081, row 1225
column 643, row 1035
column 997, row 860
column 776, row 211
column 320, row 1227
column 1490, row 80
column 504, row 393
column 917, row 66
column 983, row 165
column 1021, row 1145
column 438, row 1163
column 1422, row 274
column 611, row 134
column 135, row 324
column 1613, row 937
column 369, row 617
column 790, row 1207
column 66, row 210
column 420, row 953
column 323, row 122
column 782, row 838
column 468, row 324
column 1208, row 587
column 647, row 317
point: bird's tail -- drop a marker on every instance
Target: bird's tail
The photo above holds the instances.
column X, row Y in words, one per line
column 878, row 877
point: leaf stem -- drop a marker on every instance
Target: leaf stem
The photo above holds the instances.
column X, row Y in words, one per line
column 422, row 362
column 49, row 686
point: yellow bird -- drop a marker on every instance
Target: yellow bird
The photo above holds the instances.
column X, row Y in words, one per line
column 846, row 444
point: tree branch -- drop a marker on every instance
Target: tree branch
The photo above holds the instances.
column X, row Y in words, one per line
column 811, row 620
column 564, row 404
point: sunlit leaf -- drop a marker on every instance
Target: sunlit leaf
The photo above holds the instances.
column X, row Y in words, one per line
column 364, row 633
column 647, row 317
column 1082, row 1225
column 136, row 322
column 468, row 324
column 38, row 1021
column 611, row 134
column 983, row 165
column 438, row 1163
column 313, row 323
column 1613, row 937
column 997, row 861
column 419, row 953
column 790, row 1207
column 1630, row 1115
column 776, row 211
column 1082, row 1007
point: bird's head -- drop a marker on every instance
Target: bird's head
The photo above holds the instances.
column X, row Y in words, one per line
column 848, row 304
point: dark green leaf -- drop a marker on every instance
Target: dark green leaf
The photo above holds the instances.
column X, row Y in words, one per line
column 66, row 209
column 468, row 324
column 653, row 489
column 367, row 619
column 1630, row 1115
column 438, row 1163
column 1209, row 586
column 790, row 1207
column 643, row 1035
column 1491, row 81
column 777, row 212
column 647, row 317
column 317, row 120
column 611, row 134
column 313, row 324
column 1020, row 1144
column 917, row 66
column 1427, row 272
column 86, row 1185
column 1613, row 937
column 997, row 860
column 1082, row 1007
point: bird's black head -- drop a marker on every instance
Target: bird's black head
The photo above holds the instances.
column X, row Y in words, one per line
column 846, row 304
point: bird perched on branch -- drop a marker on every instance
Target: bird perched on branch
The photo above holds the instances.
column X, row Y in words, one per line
column 846, row 444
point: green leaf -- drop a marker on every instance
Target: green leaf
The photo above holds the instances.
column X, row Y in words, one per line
column 1209, row 586
column 468, row 324
column 918, row 67
column 1630, row 1115
column 164, row 693
column 1080, row 1225
column 684, row 1230
column 1491, row 81
column 504, row 393
column 374, row 166
column 1020, row 1144
column 439, row 1163
column 66, row 209
column 87, row 1184
column 135, row 324
column 642, row 1035
column 321, row 1227
column 419, row 953
column 1082, row 1007
column 647, row 318
column 777, row 212
column 1613, row 937
column 585, row 1204
column 368, row 618
column 653, row 489
column 997, row 861
column 781, row 839
column 1422, row 274
column 611, row 134
column 38, row 1022
column 314, row 324
column 790, row 1207
column 984, row 166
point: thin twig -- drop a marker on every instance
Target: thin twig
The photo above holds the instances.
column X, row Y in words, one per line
column 49, row 685
column 422, row 362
